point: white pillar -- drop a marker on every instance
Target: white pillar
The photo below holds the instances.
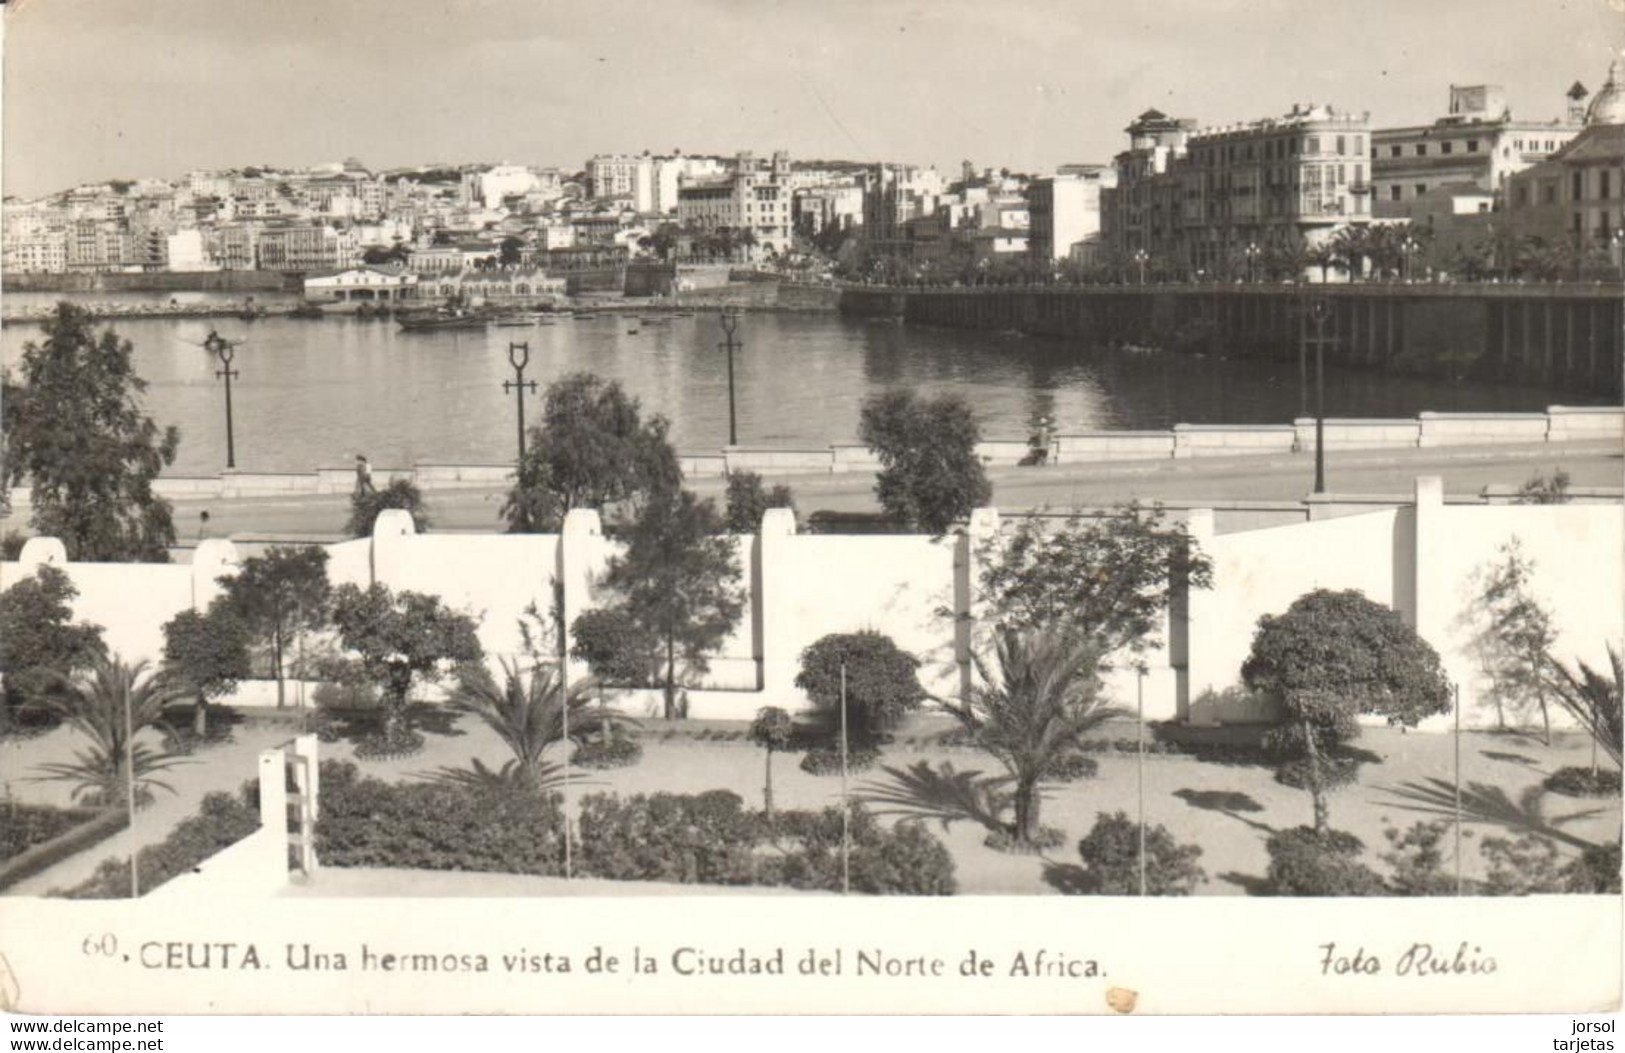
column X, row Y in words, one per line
column 391, row 532
column 1431, row 607
column 580, row 540
column 775, row 541
column 970, row 606
column 1202, row 670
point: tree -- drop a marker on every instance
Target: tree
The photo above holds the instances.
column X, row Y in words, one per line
column 773, row 730
column 1108, row 578
column 748, row 499
column 508, row 252
column 400, row 493
column 400, row 638
column 38, row 642
column 1331, row 657
column 615, row 648
column 75, row 431
column 678, row 582
column 882, row 684
column 528, row 713
column 110, row 702
column 930, row 474
column 207, row 653
column 277, row 596
column 592, row 449
column 1516, row 640
column 1032, row 709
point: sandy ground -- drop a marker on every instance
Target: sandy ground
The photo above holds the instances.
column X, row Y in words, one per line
column 1228, row 810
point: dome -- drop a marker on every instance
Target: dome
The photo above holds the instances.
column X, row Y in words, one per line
column 1608, row 106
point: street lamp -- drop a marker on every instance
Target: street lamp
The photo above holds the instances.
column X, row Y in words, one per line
column 730, row 322
column 225, row 351
column 519, row 358
column 1252, row 257
column 1319, row 311
column 1140, row 257
column 1407, row 248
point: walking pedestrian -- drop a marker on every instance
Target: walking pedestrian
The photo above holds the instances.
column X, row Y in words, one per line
column 1041, row 442
column 363, row 475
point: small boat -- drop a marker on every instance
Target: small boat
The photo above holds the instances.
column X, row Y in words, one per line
column 306, row 310
column 418, row 325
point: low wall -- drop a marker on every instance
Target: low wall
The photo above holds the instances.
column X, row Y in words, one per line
column 1478, row 429
column 1558, row 424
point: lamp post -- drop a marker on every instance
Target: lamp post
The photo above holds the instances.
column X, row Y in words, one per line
column 1140, row 257
column 1319, row 311
column 225, row 351
column 730, row 322
column 1252, row 258
column 1407, row 249
column 519, row 358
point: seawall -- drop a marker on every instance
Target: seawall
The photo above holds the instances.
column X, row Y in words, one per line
column 1561, row 335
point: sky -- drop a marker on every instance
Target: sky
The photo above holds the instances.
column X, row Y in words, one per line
column 105, row 89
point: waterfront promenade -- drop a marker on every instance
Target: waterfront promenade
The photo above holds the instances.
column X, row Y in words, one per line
column 1246, row 490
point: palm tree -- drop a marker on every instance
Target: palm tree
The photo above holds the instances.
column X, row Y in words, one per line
column 109, row 702
column 1596, row 702
column 1354, row 244
column 1327, row 258
column 1033, row 710
column 528, row 714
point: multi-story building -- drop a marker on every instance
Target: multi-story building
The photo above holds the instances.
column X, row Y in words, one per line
column 751, row 198
column 37, row 252
column 1577, row 196
column 232, row 246
column 1478, row 142
column 893, row 196
column 1142, row 212
column 628, row 176
column 1193, row 201
column 307, row 248
column 819, row 208
column 1065, row 210
column 94, row 245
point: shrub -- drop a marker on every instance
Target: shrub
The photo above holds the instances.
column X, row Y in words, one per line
column 182, row 739
column 22, row 826
column 905, row 860
column 221, row 822
column 1596, row 871
column 1583, row 782
column 1418, row 861
column 882, row 684
column 622, row 751
column 1525, row 866
column 704, row 838
column 366, row 822
column 1111, row 858
column 1072, row 767
column 400, row 493
column 390, row 743
column 1304, row 862
column 826, row 761
column 748, row 500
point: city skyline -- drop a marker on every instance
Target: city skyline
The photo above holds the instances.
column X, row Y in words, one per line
column 163, row 87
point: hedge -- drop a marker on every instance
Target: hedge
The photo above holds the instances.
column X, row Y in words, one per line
column 66, row 832
column 221, row 822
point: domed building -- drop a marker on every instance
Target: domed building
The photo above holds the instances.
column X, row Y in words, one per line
column 1608, row 105
column 1578, row 195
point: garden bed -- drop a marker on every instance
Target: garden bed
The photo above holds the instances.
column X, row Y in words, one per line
column 38, row 836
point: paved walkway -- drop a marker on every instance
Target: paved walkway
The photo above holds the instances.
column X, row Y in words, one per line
column 1466, row 471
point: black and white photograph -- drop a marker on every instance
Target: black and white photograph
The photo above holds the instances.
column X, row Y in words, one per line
column 620, row 461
